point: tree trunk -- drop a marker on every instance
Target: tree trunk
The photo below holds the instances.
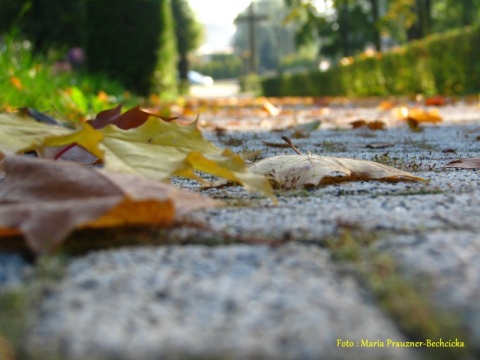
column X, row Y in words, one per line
column 183, row 67
column 345, row 29
column 376, row 33
column 468, row 12
column 421, row 27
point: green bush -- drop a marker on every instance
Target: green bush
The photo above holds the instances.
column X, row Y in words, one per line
column 131, row 41
column 250, row 83
column 219, row 66
column 444, row 63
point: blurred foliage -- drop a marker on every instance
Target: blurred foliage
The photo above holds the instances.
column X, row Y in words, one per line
column 165, row 76
column 46, row 23
column 219, row 66
column 131, row 41
column 251, row 83
column 304, row 59
column 34, row 80
column 347, row 27
column 439, row 64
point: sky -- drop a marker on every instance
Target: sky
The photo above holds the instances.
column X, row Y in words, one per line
column 218, row 11
column 218, row 17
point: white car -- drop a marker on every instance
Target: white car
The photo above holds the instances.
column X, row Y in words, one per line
column 198, row 79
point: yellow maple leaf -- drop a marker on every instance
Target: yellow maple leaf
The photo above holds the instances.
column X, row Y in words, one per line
column 86, row 137
column 159, row 150
column 22, row 133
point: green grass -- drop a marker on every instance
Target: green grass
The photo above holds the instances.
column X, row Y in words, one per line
column 30, row 80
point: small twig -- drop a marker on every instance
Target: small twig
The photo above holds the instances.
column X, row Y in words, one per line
column 290, row 143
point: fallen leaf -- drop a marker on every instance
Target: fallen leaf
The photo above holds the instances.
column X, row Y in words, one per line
column 156, row 149
column 85, row 137
column 449, row 150
column 469, row 163
column 358, row 123
column 386, row 105
column 23, row 133
column 414, row 125
column 106, row 117
column 271, row 109
column 307, row 171
column 310, row 126
column 303, row 130
column 379, row 145
column 46, row 200
column 422, row 116
column 437, row 100
column 276, row 145
column 376, row 125
column 372, row 125
column 130, row 119
column 159, row 150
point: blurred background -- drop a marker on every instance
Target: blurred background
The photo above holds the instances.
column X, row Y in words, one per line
column 162, row 49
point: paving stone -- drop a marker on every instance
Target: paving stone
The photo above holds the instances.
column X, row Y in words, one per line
column 450, row 261
column 238, row 302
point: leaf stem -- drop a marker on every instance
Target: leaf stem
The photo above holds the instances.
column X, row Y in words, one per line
column 290, row 143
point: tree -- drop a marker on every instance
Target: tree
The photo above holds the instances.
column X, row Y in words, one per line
column 188, row 33
column 345, row 28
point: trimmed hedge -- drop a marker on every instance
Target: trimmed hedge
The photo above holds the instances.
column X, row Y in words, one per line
column 447, row 63
column 131, row 41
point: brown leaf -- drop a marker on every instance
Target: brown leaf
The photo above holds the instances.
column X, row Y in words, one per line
column 46, row 200
column 437, row 100
column 106, row 117
column 376, row 125
column 307, row 171
column 372, row 125
column 414, row 125
column 130, row 119
column 358, row 123
column 276, row 145
column 469, row 163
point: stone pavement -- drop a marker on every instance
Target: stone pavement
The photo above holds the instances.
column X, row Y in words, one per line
column 362, row 270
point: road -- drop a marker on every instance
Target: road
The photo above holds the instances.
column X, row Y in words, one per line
column 221, row 88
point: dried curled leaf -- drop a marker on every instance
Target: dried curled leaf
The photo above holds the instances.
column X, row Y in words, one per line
column 469, row 163
column 46, row 200
column 307, row 171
